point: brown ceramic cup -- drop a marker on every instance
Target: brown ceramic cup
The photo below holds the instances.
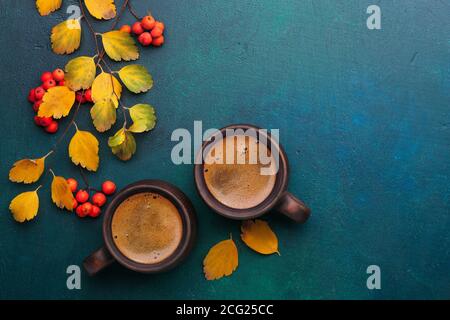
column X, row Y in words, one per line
column 279, row 200
column 109, row 253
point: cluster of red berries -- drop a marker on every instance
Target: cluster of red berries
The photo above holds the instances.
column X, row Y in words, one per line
column 84, row 98
column 148, row 30
column 49, row 80
column 81, row 204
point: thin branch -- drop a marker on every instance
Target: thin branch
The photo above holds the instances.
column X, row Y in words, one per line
column 66, row 129
column 130, row 8
column 91, row 29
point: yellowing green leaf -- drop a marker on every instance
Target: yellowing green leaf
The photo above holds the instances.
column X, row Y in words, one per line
column 221, row 260
column 123, row 144
column 259, row 237
column 103, row 114
column 25, row 206
column 83, row 150
column 80, row 73
column 102, row 88
column 144, row 118
column 61, row 194
column 120, row 46
column 66, row 36
column 45, row 7
column 136, row 78
column 57, row 102
column 101, row 9
column 27, row 170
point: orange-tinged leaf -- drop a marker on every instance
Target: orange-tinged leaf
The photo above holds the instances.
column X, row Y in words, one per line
column 45, row 7
column 221, row 260
column 101, row 9
column 66, row 36
column 83, row 150
column 57, row 102
column 25, row 206
column 120, row 46
column 27, row 170
column 61, row 194
column 102, row 88
column 259, row 237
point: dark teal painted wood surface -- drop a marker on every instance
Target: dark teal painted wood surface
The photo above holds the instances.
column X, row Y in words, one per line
column 364, row 118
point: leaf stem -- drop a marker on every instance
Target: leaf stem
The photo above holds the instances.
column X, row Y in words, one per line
column 52, row 172
column 49, row 153
column 75, row 124
column 37, row 189
column 119, row 101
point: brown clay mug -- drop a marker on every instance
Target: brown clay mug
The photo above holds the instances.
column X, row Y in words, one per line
column 110, row 253
column 279, row 199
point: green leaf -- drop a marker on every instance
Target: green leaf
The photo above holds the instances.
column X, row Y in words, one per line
column 80, row 73
column 136, row 78
column 103, row 114
column 144, row 118
column 120, row 46
column 123, row 144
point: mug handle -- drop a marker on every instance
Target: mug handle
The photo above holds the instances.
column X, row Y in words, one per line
column 293, row 208
column 97, row 261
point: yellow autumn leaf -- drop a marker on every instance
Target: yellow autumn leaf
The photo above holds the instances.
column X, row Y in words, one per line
column 103, row 115
column 102, row 88
column 27, row 170
column 80, row 73
column 83, row 150
column 61, row 194
column 136, row 78
column 25, row 206
column 259, row 237
column 66, row 36
column 221, row 260
column 144, row 118
column 57, row 102
column 123, row 144
column 101, row 9
column 45, row 7
column 120, row 46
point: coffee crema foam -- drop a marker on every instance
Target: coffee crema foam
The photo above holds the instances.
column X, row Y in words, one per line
column 239, row 185
column 147, row 228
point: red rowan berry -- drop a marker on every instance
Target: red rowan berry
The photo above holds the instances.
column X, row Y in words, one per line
column 82, row 196
column 95, row 212
column 36, row 105
column 99, row 199
column 73, row 184
column 49, row 84
column 39, row 93
column 145, row 39
column 108, row 187
column 156, row 32
column 52, row 127
column 148, row 22
column 137, row 28
column 58, row 75
column 125, row 28
column 46, row 76
column 31, row 96
column 157, row 42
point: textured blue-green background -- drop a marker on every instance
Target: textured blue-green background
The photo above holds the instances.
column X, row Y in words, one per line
column 364, row 117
